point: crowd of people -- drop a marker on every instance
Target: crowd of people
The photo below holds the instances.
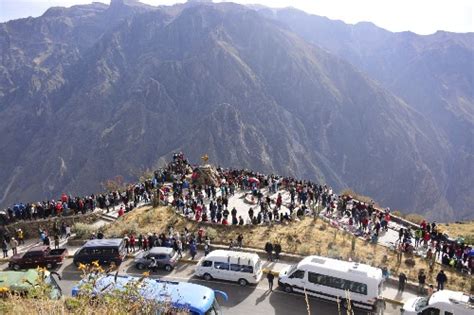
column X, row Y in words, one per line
column 69, row 205
column 208, row 201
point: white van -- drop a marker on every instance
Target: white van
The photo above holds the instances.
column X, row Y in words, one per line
column 242, row 267
column 443, row 302
column 334, row 280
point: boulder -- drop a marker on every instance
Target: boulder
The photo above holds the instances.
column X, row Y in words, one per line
column 206, row 175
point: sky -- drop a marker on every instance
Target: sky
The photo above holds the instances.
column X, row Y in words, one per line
column 419, row 16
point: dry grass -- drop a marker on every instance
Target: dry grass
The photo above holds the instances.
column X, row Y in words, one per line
column 307, row 237
column 464, row 229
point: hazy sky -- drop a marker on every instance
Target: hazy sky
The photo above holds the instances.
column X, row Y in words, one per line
column 419, row 16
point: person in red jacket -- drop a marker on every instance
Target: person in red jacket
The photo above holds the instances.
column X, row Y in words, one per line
column 121, row 212
column 59, row 208
column 132, row 242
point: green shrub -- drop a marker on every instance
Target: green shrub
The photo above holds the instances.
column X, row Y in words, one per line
column 211, row 232
column 82, row 230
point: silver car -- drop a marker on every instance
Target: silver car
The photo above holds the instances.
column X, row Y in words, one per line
column 157, row 257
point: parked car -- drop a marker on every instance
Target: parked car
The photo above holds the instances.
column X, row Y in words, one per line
column 165, row 258
column 241, row 267
column 105, row 251
column 42, row 256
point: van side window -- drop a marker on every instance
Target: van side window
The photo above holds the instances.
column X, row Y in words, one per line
column 298, row 274
column 430, row 311
column 245, row 268
column 109, row 251
column 316, row 278
column 85, row 251
column 207, row 263
column 221, row 265
column 96, row 251
column 337, row 283
column 241, row 268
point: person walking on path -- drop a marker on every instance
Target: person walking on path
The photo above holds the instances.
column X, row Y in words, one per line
column 402, row 280
column 192, row 250
column 277, row 249
column 441, row 279
column 5, row 248
column 14, row 245
column 269, row 250
column 399, row 253
column 270, row 278
column 421, row 282
column 56, row 241
column 240, row 240
column 21, row 237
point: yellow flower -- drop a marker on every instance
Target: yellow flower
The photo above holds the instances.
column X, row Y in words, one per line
column 146, row 274
column 40, row 269
column 82, row 266
column 4, row 290
column 100, row 269
column 95, row 263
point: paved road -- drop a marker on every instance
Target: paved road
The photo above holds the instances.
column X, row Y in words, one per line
column 251, row 299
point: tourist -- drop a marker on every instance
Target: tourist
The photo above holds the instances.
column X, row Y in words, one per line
column 441, row 279
column 269, row 250
column 5, row 248
column 192, row 250
column 402, row 279
column 421, row 282
column 270, row 278
column 277, row 249
column 14, row 245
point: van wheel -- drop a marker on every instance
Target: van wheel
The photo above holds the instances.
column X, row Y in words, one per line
column 207, row 277
column 243, row 282
column 140, row 266
column 168, row 268
column 49, row 266
column 288, row 288
column 16, row 267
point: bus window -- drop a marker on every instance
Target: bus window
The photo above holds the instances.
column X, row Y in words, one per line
column 215, row 309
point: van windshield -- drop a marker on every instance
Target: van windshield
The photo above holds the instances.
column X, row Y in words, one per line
column 292, row 269
column 258, row 265
column 421, row 303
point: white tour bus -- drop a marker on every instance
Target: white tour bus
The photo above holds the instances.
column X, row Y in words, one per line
column 242, row 267
column 443, row 302
column 334, row 280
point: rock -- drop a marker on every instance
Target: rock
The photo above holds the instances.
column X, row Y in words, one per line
column 206, row 175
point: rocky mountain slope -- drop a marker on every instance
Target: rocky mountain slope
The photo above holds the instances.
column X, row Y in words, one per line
column 434, row 74
column 94, row 91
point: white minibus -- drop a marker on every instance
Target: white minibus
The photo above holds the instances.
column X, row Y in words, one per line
column 241, row 267
column 334, row 280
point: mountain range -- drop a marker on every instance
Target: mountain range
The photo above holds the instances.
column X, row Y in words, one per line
column 94, row 91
